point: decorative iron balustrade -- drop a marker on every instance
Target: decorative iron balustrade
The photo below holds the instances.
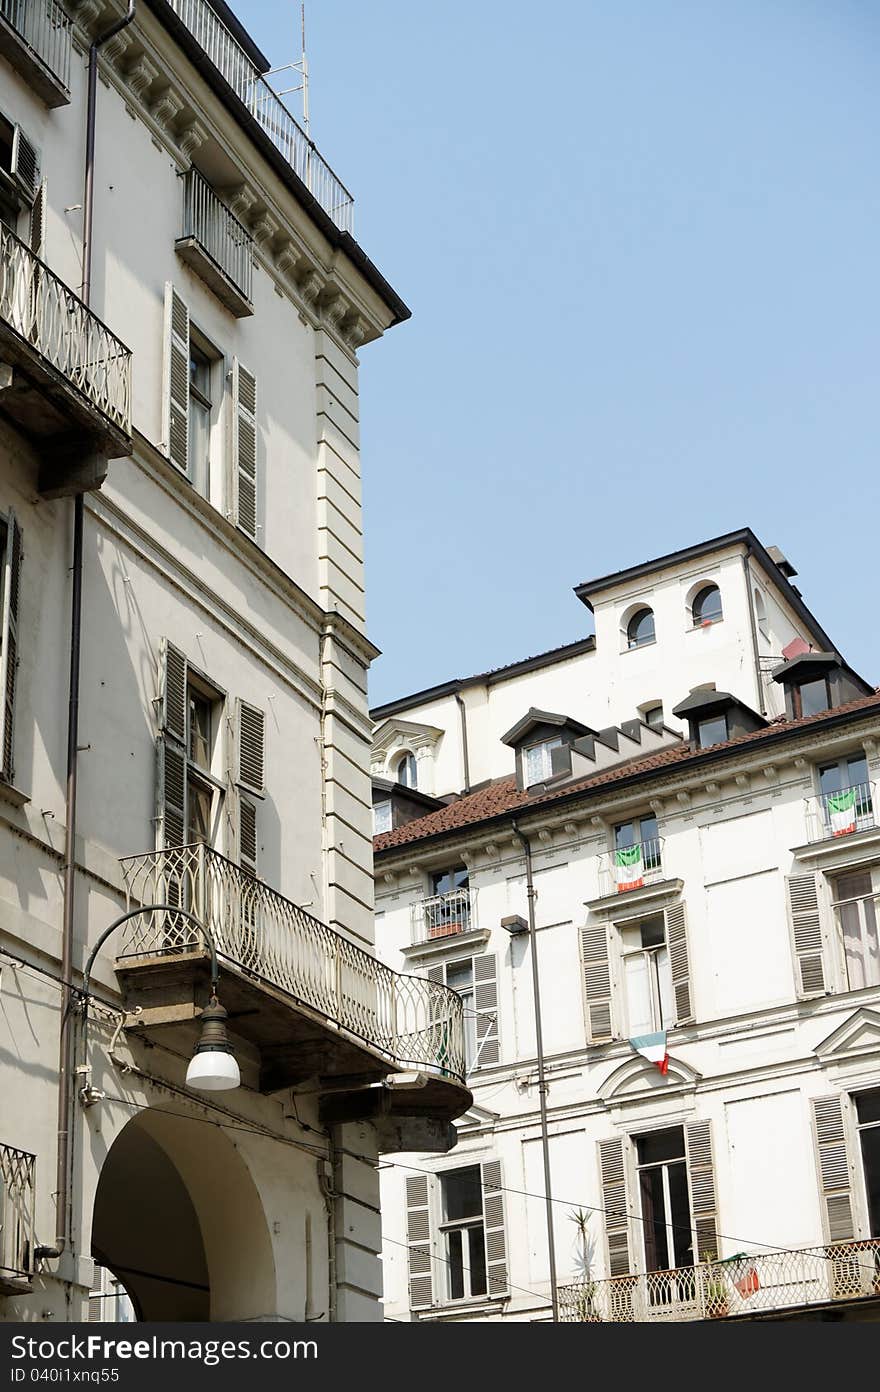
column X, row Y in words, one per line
column 631, row 867
column 745, row 1285
column 55, row 322
column 267, row 109
column 46, row 29
column 413, row 1022
column 442, row 916
column 841, row 813
column 218, row 231
column 17, row 1176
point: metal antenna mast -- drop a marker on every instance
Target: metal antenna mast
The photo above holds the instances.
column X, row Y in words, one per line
column 301, row 68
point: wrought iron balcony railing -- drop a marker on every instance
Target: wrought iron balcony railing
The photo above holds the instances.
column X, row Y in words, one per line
column 741, row 1286
column 51, row 321
column 216, row 245
column 442, row 916
column 17, row 1175
column 631, row 867
column 841, row 813
column 46, row 30
column 267, row 109
column 413, row 1022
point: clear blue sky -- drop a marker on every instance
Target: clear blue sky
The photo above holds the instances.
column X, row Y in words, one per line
column 640, row 241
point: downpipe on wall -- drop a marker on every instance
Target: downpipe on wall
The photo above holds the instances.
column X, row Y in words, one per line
column 63, row 1220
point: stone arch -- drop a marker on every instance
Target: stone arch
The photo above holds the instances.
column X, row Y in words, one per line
column 179, row 1220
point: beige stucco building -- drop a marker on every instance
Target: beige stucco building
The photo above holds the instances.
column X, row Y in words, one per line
column 182, row 301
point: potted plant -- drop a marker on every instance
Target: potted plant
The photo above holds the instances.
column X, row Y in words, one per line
column 715, row 1291
column 587, row 1288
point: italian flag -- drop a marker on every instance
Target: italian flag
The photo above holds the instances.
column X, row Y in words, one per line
column 653, row 1048
column 842, row 811
column 628, row 867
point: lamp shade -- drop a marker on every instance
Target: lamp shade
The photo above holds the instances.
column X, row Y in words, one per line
column 213, row 1067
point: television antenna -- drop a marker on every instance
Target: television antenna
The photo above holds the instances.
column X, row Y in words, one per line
column 299, row 69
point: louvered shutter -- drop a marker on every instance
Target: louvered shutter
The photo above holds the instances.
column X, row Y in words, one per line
column 486, row 1006
column 597, row 980
column 244, row 447
column 612, row 1172
column 247, row 835
column 176, row 379
column 436, row 974
column 251, row 742
column 9, row 643
column 806, row 934
column 835, row 1176
column 418, row 1236
column 701, row 1182
column 493, row 1217
column 25, row 164
column 37, row 232
column 679, row 962
column 171, row 795
column 172, row 692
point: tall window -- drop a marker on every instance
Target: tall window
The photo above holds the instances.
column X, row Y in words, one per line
column 201, row 373
column 406, row 771
column 665, row 1205
column 650, row 1004
column 201, row 786
column 460, row 978
column 640, row 629
column 855, row 904
column 641, row 832
column 538, row 761
column 382, row 818
column 761, row 616
column 449, row 909
column 868, row 1115
column 706, row 608
column 845, row 795
column 712, row 730
column 464, row 1233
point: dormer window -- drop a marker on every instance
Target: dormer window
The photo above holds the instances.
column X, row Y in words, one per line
column 715, row 716
column 706, row 608
column 406, row 772
column 811, row 697
column 712, row 730
column 816, row 681
column 538, row 761
column 382, row 818
column 640, row 629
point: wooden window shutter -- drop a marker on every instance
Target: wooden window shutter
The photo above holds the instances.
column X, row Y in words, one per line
column 171, row 795
column 176, row 411
column 493, row 1217
column 9, row 644
column 247, row 835
column 486, row 1006
column 436, row 974
column 835, row 1176
column 25, row 165
column 37, row 230
column 679, row 961
column 418, row 1236
column 701, row 1182
column 806, row 934
column 244, row 448
column 597, row 980
column 612, row 1172
column 251, row 744
column 173, row 676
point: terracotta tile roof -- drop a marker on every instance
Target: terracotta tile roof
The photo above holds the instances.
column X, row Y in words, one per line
column 502, row 796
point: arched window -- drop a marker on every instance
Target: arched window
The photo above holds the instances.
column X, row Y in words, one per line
column 406, row 771
column 706, row 607
column 640, row 629
column 761, row 615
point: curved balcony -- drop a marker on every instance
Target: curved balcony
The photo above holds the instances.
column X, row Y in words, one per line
column 311, row 1001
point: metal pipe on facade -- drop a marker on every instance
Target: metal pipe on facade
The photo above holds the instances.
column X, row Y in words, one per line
column 63, row 1224
column 542, row 1077
column 462, row 710
column 759, row 675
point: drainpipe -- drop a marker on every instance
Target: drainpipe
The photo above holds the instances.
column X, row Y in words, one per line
column 759, row 676
column 542, row 1079
column 63, row 1224
column 459, row 701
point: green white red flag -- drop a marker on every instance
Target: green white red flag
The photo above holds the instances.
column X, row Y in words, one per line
column 842, row 811
column 628, row 868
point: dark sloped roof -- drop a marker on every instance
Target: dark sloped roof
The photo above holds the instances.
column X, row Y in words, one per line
column 503, row 797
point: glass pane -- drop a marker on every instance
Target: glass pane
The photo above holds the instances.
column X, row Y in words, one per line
column 857, row 770
column 682, row 1240
column 460, row 975
column 713, row 730
column 648, row 830
column 664, row 987
column 381, row 817
column 534, row 764
column 445, row 881
column 638, row 995
column 653, row 931
column 199, row 443
column 654, row 1215
column 477, row 1255
column 707, row 605
column 199, row 799
column 868, row 1106
column 199, row 730
column 463, row 1193
column 871, row 1161
column 641, row 628
column 814, row 696
column 455, row 1259
column 661, row 1145
column 654, row 716
column 625, row 835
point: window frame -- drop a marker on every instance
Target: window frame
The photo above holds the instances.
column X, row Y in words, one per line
column 385, row 806
column 197, row 775
column 201, row 473
column 643, row 610
column 700, row 598
column 643, row 1167
column 408, row 760
column 861, row 1127
column 546, row 745
column 708, row 720
column 651, row 955
column 864, row 930
column 797, row 701
column 446, row 1226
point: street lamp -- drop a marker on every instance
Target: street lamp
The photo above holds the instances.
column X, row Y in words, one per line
column 213, row 1067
